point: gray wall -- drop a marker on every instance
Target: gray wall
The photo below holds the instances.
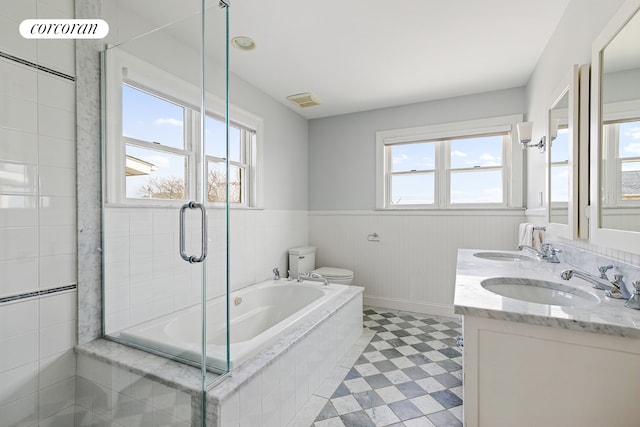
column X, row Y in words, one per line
column 285, row 147
column 342, row 148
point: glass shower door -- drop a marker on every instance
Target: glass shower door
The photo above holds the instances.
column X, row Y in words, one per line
column 165, row 237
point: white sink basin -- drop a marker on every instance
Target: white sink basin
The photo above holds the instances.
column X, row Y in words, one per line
column 503, row 256
column 539, row 291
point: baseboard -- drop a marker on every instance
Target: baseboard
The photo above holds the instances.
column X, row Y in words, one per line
column 416, row 307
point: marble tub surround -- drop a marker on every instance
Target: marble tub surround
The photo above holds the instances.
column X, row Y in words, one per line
column 304, row 356
column 170, row 373
column 609, row 316
column 107, row 394
column 273, row 387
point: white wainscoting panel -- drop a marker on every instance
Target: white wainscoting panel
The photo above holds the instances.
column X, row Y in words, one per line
column 413, row 265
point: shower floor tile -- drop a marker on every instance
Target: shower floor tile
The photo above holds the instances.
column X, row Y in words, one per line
column 410, row 374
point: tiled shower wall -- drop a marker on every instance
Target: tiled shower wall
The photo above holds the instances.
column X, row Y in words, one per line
column 37, row 219
column 146, row 278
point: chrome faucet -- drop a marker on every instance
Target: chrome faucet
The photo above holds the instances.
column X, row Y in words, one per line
column 597, row 282
column 316, row 277
column 532, row 249
column 634, row 301
column 276, row 273
column 603, row 271
column 550, row 253
column 547, row 252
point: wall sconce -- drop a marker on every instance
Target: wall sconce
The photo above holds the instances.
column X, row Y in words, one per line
column 524, row 136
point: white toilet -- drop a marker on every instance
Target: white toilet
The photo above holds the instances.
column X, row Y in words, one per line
column 303, row 259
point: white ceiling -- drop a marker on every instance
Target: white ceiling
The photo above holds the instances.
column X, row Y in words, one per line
column 359, row 55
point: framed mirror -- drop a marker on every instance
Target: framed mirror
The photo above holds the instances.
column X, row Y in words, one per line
column 567, row 161
column 615, row 129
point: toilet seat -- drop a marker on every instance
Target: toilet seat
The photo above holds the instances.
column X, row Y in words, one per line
column 336, row 275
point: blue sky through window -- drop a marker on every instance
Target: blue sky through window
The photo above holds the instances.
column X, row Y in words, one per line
column 472, row 186
column 151, row 119
column 481, row 151
column 214, row 139
column 418, row 156
column 629, row 139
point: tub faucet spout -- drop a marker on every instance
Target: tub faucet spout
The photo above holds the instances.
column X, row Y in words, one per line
column 316, row 277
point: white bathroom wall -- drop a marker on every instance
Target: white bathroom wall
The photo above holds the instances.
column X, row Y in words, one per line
column 413, row 265
column 37, row 220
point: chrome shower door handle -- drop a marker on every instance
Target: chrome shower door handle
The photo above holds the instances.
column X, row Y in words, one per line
column 192, row 259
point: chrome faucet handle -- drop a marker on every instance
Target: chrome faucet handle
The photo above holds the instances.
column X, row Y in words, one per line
column 634, row 301
column 549, row 253
column 620, row 291
column 622, row 287
column 603, row 271
column 276, row 273
column 552, row 255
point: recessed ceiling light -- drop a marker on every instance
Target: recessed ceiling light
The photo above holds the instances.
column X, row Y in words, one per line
column 243, row 43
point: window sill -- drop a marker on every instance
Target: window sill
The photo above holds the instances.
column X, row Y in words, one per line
column 502, row 211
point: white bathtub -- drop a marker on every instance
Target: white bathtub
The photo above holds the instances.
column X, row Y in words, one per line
column 258, row 316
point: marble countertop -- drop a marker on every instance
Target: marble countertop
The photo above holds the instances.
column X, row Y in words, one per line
column 609, row 316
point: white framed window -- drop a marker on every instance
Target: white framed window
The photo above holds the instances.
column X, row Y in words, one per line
column 559, row 168
column 467, row 164
column 153, row 140
column 242, row 147
column 621, row 161
column 157, row 146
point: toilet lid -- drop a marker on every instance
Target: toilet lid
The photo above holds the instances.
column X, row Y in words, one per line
column 331, row 272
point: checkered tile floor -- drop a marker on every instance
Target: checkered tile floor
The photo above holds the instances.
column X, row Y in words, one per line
column 410, row 374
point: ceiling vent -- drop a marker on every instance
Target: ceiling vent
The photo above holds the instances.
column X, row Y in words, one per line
column 304, row 100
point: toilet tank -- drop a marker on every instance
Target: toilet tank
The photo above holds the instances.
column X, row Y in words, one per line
column 302, row 260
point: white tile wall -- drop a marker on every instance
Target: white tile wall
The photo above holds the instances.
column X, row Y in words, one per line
column 37, row 363
column 37, row 222
column 145, row 276
column 18, row 276
column 17, row 146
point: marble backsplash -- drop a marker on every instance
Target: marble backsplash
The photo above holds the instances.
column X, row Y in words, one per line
column 587, row 260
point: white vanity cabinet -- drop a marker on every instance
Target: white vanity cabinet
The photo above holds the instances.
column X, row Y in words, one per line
column 518, row 374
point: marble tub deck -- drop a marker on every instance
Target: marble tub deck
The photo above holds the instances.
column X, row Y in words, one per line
column 188, row 379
